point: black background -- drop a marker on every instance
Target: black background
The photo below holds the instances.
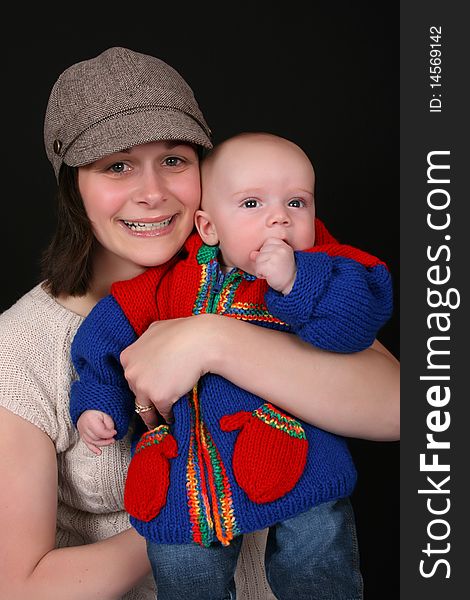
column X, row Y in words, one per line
column 422, row 132
column 329, row 81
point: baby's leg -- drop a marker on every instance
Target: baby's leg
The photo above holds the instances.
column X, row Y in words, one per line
column 314, row 556
column 184, row 571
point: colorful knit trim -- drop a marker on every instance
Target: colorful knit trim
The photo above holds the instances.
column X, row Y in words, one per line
column 198, row 501
column 248, row 311
column 201, row 302
column 272, row 417
column 209, row 493
column 206, row 253
column 223, row 299
column 155, row 436
column 216, row 291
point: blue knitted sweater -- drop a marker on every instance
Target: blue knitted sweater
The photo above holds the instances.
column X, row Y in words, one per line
column 340, row 299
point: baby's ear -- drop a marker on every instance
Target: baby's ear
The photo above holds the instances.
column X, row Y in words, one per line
column 206, row 228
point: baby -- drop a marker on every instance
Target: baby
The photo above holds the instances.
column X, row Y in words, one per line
column 231, row 462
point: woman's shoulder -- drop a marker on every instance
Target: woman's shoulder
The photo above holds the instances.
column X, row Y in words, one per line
column 35, row 317
column 35, row 337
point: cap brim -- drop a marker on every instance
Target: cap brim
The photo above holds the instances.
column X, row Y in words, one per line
column 126, row 130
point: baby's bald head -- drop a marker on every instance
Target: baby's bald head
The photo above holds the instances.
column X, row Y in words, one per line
column 246, row 158
column 256, row 186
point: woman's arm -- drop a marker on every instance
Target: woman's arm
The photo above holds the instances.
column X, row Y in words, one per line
column 356, row 395
column 30, row 566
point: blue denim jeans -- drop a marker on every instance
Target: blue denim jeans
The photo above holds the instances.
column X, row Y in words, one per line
column 313, row 556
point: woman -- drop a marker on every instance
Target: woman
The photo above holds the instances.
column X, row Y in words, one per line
column 80, row 546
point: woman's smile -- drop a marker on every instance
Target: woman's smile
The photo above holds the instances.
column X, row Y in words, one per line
column 141, row 203
column 149, row 227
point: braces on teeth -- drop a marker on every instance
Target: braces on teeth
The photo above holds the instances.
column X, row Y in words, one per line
column 147, row 226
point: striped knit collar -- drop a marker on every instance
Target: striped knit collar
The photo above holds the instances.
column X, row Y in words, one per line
column 209, row 254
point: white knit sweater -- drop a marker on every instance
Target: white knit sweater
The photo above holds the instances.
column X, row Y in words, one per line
column 35, row 377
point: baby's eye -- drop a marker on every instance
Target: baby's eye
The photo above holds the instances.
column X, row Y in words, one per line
column 250, row 203
column 118, row 167
column 296, row 203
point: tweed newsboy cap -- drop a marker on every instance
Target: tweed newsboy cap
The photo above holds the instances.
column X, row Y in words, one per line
column 119, row 99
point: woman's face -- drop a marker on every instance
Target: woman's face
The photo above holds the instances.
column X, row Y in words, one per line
column 141, row 203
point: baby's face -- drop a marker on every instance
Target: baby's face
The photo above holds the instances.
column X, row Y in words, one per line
column 259, row 187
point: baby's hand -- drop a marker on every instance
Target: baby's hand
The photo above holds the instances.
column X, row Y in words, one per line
column 96, row 429
column 275, row 262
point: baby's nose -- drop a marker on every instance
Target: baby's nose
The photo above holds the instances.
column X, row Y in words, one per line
column 279, row 217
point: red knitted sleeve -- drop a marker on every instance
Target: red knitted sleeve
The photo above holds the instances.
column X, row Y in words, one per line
column 136, row 297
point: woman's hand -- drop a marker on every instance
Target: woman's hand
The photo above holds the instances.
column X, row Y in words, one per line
column 355, row 395
column 167, row 361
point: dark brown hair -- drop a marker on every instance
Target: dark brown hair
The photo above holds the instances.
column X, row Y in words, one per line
column 67, row 261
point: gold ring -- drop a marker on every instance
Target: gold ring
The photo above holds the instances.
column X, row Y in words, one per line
column 139, row 408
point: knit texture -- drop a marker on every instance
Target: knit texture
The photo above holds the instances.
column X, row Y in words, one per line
column 102, row 384
column 270, row 452
column 345, row 302
column 35, row 376
column 152, row 455
column 337, row 303
column 35, row 337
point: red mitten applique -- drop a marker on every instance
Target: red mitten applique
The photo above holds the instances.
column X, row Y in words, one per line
column 148, row 476
column 270, row 452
